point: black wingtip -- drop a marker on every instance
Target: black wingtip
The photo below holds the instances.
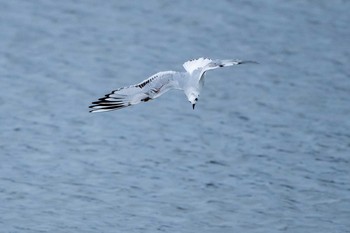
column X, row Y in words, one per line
column 247, row 62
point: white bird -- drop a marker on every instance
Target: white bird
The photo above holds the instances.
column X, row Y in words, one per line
column 190, row 82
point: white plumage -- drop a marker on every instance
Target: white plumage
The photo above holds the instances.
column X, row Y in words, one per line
column 191, row 82
column 194, row 64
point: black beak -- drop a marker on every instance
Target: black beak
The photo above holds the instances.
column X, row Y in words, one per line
column 193, row 105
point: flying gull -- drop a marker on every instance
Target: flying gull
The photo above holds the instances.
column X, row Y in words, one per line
column 190, row 82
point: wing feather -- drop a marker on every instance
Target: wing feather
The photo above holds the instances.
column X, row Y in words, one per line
column 221, row 63
column 144, row 91
column 204, row 64
column 195, row 64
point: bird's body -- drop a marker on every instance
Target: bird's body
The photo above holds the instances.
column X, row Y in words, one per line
column 191, row 82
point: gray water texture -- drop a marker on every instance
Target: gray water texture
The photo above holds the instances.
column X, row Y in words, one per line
column 266, row 149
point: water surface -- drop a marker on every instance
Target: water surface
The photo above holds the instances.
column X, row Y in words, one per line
column 266, row 150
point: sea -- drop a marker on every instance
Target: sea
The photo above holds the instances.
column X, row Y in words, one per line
column 267, row 148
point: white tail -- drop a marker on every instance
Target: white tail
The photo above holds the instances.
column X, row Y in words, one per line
column 195, row 64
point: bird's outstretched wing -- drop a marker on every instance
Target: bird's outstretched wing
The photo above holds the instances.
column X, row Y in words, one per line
column 222, row 63
column 149, row 89
column 201, row 65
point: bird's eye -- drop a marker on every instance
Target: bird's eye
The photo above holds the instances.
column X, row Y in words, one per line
column 196, row 99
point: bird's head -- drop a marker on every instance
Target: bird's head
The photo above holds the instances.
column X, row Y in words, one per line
column 193, row 98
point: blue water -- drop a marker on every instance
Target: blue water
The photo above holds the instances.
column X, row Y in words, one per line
column 267, row 148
